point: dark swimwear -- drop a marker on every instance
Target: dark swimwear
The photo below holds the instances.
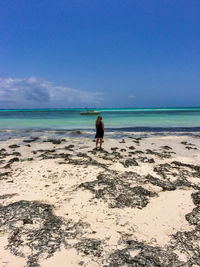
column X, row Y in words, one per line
column 99, row 132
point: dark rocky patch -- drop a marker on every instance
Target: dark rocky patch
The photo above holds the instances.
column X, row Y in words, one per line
column 190, row 147
column 7, row 196
column 47, row 155
column 44, row 151
column 188, row 242
column 136, row 141
column 45, row 239
column 166, row 147
column 13, row 160
column 82, row 155
column 163, row 170
column 139, row 152
column 117, row 191
column 182, row 181
column 147, row 256
column 90, row 247
column 26, row 159
column 7, row 166
column 114, row 148
column 130, row 153
column 129, row 162
column 13, row 146
column 116, row 155
column 4, row 174
column 54, row 141
column 146, row 160
column 76, row 132
column 194, row 168
column 87, row 161
column 16, row 153
column 3, row 153
column 33, row 139
column 187, row 144
column 163, row 155
column 69, row 147
column 165, row 185
column 194, row 216
column 196, row 198
column 167, row 171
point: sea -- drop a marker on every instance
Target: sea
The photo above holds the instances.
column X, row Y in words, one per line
column 18, row 121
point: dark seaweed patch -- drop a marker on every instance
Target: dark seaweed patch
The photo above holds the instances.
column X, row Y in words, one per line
column 129, row 162
column 117, row 192
column 45, row 239
column 90, row 246
column 146, row 255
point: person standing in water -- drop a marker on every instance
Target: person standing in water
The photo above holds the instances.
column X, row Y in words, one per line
column 99, row 131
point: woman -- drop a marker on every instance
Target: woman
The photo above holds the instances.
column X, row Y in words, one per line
column 99, row 131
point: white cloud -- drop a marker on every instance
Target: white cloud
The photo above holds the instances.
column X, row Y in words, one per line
column 131, row 96
column 35, row 92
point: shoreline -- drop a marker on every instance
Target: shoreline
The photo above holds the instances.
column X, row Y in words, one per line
column 6, row 134
column 136, row 201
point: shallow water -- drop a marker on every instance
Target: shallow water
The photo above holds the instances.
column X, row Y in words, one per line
column 136, row 119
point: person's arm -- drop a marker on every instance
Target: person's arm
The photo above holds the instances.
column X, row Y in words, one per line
column 102, row 125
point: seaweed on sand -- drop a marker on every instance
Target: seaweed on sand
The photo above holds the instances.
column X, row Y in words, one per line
column 33, row 225
column 90, row 246
column 117, row 192
column 138, row 254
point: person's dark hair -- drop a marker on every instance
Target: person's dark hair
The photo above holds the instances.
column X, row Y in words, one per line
column 99, row 118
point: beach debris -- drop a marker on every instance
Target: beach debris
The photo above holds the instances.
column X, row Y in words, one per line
column 188, row 242
column 165, row 185
column 13, row 146
column 117, row 193
column 146, row 160
column 145, row 255
column 8, row 196
column 166, row 147
column 75, row 132
column 89, row 246
column 32, row 139
column 4, row 174
column 16, row 153
column 164, row 155
column 13, row 160
column 26, row 159
column 114, row 148
column 42, row 232
column 129, row 162
column 69, row 147
column 54, row 141
column 189, row 148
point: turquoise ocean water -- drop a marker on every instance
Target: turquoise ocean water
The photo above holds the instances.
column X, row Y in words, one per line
column 129, row 118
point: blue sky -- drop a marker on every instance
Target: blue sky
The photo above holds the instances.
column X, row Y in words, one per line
column 99, row 53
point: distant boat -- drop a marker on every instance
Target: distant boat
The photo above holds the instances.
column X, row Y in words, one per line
column 90, row 112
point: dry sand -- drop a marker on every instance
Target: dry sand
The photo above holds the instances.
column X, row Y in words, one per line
column 67, row 204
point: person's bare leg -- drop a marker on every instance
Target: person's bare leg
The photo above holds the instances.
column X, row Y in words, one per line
column 101, row 143
column 97, row 141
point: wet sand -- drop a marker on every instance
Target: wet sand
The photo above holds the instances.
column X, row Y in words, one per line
column 136, row 203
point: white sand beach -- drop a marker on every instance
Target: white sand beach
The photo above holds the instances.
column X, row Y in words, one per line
column 136, row 203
